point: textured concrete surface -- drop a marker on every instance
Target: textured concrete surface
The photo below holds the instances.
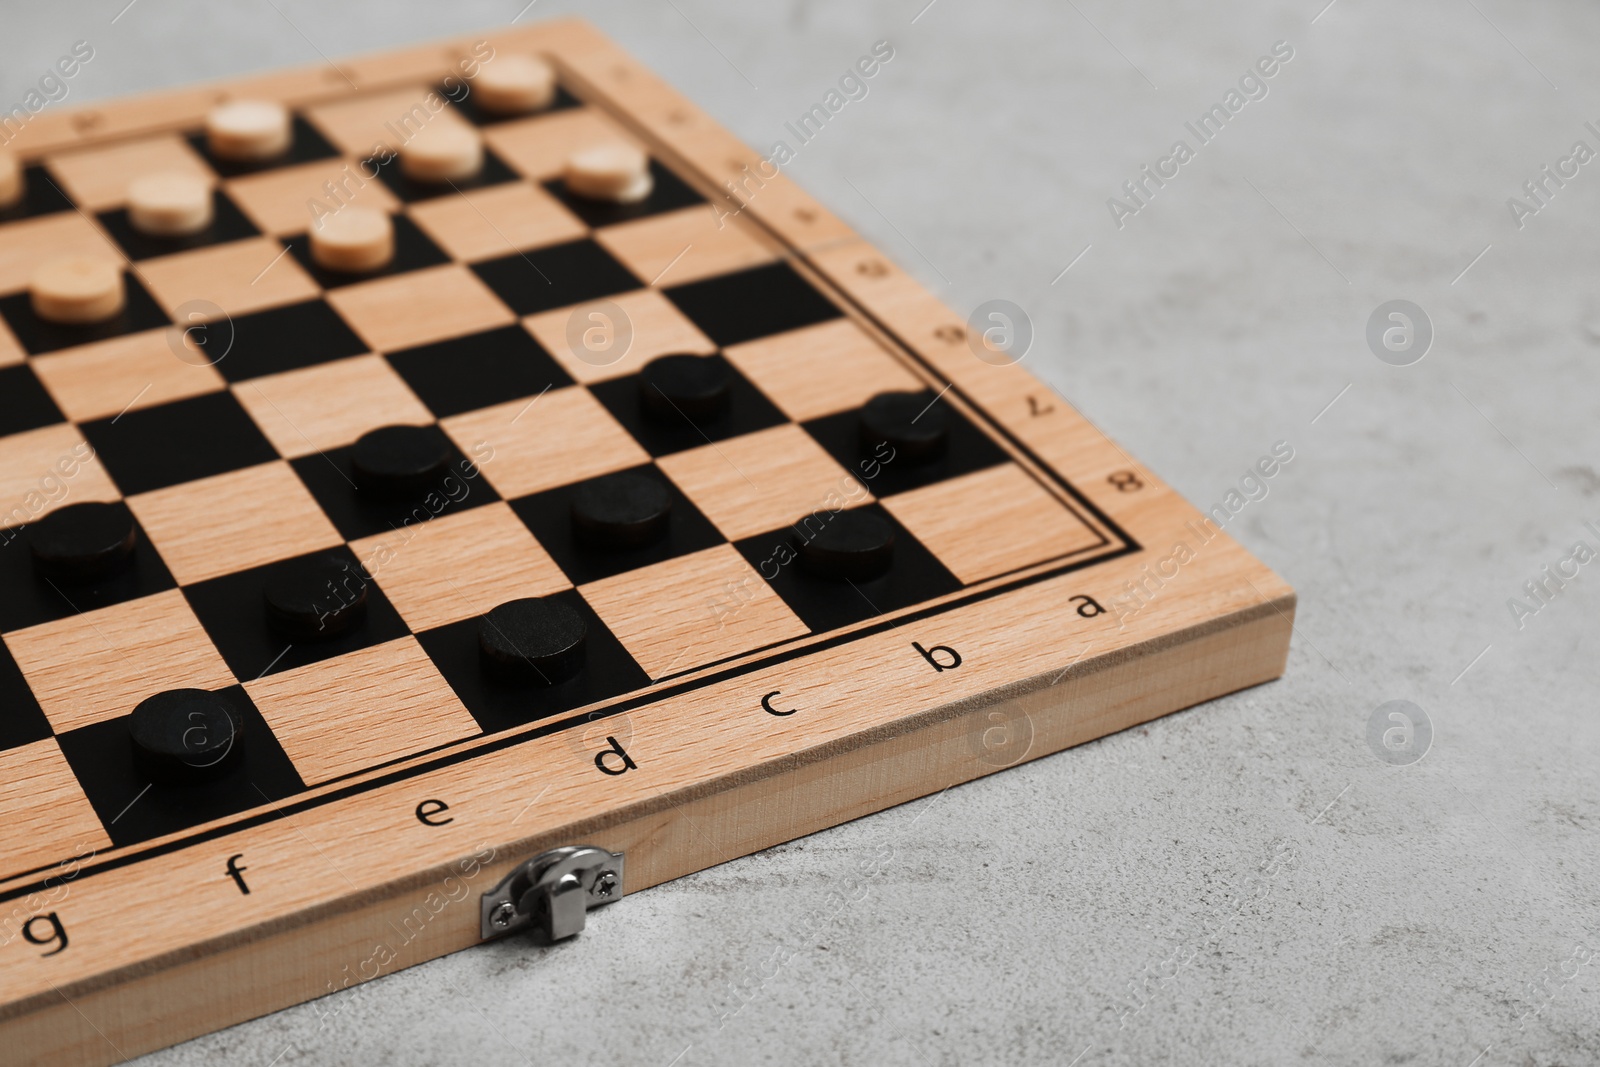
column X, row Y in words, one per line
column 1245, row 882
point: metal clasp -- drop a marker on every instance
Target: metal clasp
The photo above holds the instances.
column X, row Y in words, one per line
column 552, row 892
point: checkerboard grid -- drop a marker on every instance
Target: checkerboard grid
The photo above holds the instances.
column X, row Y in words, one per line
column 590, row 235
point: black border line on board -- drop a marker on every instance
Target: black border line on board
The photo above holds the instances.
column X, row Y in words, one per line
column 284, row 810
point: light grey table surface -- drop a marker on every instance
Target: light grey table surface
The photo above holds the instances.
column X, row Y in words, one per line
column 1244, row 882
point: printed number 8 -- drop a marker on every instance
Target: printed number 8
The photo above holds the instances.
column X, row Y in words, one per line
column 1125, row 481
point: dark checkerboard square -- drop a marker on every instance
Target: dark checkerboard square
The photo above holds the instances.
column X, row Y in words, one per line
column 553, row 277
column 413, row 250
column 493, row 172
column 140, row 313
column 133, row 810
column 40, row 196
column 549, row 516
column 915, row 576
column 478, row 371
column 24, row 403
column 283, row 339
column 228, row 223
column 232, row 610
column 468, row 108
column 29, row 598
column 155, row 447
column 356, row 514
column 747, row 411
column 22, row 721
column 669, row 193
column 608, row 671
column 747, row 304
column 308, row 146
column 968, row 449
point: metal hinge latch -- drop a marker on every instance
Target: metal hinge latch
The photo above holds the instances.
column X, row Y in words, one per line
column 552, row 892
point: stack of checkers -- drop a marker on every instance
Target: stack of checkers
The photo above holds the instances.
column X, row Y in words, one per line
column 518, row 429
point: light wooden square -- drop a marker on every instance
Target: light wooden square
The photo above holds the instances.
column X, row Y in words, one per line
column 483, row 223
column 420, row 307
column 683, row 246
column 26, row 244
column 232, row 522
column 318, row 408
column 47, row 815
column 990, row 522
column 820, row 370
column 693, row 610
column 390, row 118
column 240, row 277
column 382, row 703
column 562, row 436
column 658, row 328
column 123, row 374
column 539, row 147
column 99, row 665
column 459, row 566
column 48, row 468
column 97, row 178
column 762, row 481
column 277, row 200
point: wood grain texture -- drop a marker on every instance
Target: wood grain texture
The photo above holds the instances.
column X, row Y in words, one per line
column 657, row 328
column 98, row 665
column 715, row 775
column 250, row 517
column 44, row 812
column 682, row 246
column 763, row 481
column 818, row 370
column 459, row 566
column 140, row 370
column 415, row 309
column 485, row 223
column 316, row 409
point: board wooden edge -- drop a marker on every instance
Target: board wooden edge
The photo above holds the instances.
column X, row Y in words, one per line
column 130, row 1009
column 194, row 993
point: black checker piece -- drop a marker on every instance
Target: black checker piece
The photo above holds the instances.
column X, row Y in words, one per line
column 678, row 402
column 133, row 806
column 837, row 568
column 615, row 523
column 83, row 566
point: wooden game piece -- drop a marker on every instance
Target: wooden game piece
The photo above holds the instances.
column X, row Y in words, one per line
column 673, row 388
column 354, row 239
column 248, row 131
column 77, row 290
column 911, row 423
column 515, row 84
column 539, row 640
column 186, row 736
column 442, row 152
column 615, row 171
column 12, row 183
column 623, row 510
column 854, row 546
column 169, row 204
column 400, row 461
column 83, row 542
column 314, row 599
